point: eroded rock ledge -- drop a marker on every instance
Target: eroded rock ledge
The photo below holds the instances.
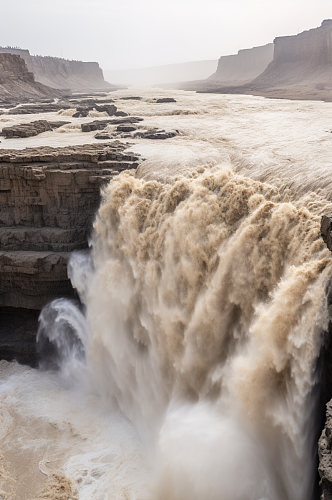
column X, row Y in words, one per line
column 48, row 199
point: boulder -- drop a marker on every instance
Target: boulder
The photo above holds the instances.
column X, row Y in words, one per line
column 110, row 109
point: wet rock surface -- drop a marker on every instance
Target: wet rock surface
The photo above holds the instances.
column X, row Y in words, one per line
column 124, row 131
column 157, row 134
column 326, row 230
column 325, row 456
column 103, row 136
column 32, row 109
column 101, row 124
column 31, row 129
column 165, row 100
column 325, row 441
column 110, row 109
column 48, row 200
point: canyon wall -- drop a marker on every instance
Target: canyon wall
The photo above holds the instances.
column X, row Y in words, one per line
column 16, row 81
column 61, row 73
column 306, row 57
column 48, row 199
column 301, row 69
column 245, row 65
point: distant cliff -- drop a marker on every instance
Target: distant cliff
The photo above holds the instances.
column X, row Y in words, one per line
column 306, row 57
column 16, row 81
column 301, row 69
column 245, row 65
column 63, row 74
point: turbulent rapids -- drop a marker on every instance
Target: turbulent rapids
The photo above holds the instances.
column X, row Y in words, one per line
column 204, row 311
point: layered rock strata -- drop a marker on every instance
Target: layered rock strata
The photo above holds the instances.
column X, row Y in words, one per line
column 16, row 81
column 61, row 73
column 30, row 129
column 48, row 199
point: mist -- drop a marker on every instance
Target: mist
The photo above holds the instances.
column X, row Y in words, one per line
column 129, row 34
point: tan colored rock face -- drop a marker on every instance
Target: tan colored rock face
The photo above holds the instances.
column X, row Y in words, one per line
column 60, row 73
column 48, row 198
column 245, row 65
column 16, row 81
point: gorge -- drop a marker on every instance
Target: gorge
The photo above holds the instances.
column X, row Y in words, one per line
column 197, row 238
column 175, row 270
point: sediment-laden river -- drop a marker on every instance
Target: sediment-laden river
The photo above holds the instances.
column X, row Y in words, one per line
column 192, row 372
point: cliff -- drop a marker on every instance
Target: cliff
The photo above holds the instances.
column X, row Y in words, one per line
column 301, row 69
column 16, row 81
column 306, row 57
column 245, row 65
column 48, row 199
column 63, row 74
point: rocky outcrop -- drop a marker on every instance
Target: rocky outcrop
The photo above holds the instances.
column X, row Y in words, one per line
column 101, row 124
column 61, row 73
column 30, row 129
column 326, row 230
column 164, row 100
column 325, row 361
column 48, row 199
column 325, row 456
column 245, row 65
column 16, row 81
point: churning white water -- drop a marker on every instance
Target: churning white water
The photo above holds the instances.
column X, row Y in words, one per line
column 205, row 304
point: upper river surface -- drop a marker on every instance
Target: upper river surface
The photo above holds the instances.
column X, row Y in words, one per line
column 64, row 438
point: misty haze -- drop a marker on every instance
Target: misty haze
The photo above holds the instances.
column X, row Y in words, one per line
column 165, row 250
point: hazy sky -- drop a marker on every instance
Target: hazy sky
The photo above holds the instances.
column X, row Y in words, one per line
column 123, row 34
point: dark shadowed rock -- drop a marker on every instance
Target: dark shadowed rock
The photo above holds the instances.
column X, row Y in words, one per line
column 160, row 134
column 81, row 112
column 166, row 99
column 110, row 109
column 326, row 230
column 125, row 128
column 101, row 124
column 102, row 136
column 325, row 455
